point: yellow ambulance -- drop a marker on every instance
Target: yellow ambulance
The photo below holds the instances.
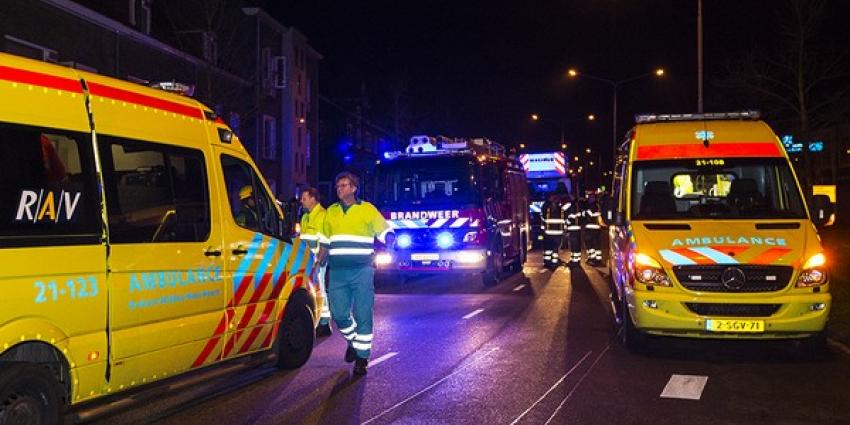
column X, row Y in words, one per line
column 138, row 242
column 710, row 236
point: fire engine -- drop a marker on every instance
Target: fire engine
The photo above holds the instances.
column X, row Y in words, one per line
column 545, row 171
column 456, row 205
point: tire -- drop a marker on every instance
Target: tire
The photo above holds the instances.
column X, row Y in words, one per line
column 29, row 394
column 493, row 275
column 296, row 334
column 632, row 338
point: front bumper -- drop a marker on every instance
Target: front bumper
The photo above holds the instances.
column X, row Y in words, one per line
column 465, row 261
column 667, row 313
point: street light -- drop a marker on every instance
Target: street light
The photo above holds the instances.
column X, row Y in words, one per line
column 563, row 145
column 615, row 85
column 522, row 145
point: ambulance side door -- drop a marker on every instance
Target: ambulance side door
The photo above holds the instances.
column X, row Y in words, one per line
column 258, row 261
column 165, row 261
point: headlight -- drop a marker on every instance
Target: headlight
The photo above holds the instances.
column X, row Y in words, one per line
column 649, row 272
column 404, row 241
column 383, row 258
column 814, row 272
column 445, row 240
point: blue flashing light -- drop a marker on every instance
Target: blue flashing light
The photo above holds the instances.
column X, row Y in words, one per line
column 347, row 159
column 404, row 241
column 445, row 240
column 816, row 146
column 388, row 155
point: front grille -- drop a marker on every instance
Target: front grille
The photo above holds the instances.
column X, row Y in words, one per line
column 758, row 278
column 733, row 310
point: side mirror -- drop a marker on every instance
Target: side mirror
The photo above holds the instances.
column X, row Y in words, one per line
column 610, row 215
column 822, row 211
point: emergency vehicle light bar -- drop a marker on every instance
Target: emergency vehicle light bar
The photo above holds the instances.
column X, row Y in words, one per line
column 175, row 87
column 422, row 144
column 741, row 115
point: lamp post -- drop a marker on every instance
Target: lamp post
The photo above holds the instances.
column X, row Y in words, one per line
column 615, row 86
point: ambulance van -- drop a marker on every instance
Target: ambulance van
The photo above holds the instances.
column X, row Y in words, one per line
column 711, row 236
column 138, row 242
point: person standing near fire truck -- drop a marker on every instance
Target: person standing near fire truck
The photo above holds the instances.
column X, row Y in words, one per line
column 553, row 230
column 572, row 212
column 592, row 230
column 351, row 227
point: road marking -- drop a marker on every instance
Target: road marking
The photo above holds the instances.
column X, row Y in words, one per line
column 564, row 401
column 383, row 358
column 688, row 387
column 473, row 314
column 429, row 387
column 519, row 288
column 552, row 388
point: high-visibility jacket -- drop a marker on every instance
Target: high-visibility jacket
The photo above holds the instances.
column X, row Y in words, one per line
column 312, row 226
column 573, row 215
column 349, row 234
column 591, row 215
column 553, row 218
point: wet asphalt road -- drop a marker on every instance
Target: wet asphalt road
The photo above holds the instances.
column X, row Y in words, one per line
column 538, row 348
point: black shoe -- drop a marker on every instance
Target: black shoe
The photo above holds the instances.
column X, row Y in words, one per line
column 360, row 367
column 350, row 354
column 324, row 330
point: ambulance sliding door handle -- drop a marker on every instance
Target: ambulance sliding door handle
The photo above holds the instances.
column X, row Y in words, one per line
column 212, row 252
column 239, row 251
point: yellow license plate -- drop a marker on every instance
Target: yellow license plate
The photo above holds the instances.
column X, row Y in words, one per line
column 738, row 326
column 424, row 257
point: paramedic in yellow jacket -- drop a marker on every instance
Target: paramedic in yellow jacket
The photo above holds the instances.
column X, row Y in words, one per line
column 351, row 227
column 312, row 225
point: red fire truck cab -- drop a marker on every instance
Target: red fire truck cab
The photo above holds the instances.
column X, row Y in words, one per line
column 457, row 206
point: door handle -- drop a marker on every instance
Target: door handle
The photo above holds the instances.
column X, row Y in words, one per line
column 212, row 252
column 239, row 251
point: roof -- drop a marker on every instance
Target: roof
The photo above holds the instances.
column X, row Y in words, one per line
column 718, row 138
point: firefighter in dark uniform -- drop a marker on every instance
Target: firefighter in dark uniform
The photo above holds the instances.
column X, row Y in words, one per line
column 573, row 215
column 592, row 230
column 553, row 230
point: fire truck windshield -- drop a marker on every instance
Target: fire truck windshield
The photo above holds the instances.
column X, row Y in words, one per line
column 426, row 181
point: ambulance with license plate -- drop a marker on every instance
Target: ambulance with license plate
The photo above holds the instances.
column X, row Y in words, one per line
column 711, row 236
column 138, row 243
column 456, row 205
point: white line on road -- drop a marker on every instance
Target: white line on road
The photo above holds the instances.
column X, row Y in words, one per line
column 422, row 391
column 564, row 401
column 473, row 314
column 688, row 387
column 552, row 388
column 383, row 358
column 519, row 288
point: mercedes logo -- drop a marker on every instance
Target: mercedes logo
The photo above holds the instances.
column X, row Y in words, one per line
column 733, row 278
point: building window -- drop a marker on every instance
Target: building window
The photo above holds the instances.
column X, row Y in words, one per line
column 269, row 146
column 17, row 46
column 140, row 15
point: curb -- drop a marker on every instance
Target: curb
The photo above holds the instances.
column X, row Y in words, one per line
column 839, row 345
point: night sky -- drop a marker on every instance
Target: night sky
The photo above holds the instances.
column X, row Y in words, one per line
column 480, row 68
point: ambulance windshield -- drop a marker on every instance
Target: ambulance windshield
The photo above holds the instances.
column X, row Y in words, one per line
column 715, row 188
column 437, row 181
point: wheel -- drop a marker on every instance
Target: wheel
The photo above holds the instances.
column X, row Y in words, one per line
column 632, row 338
column 493, row 275
column 296, row 334
column 29, row 394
